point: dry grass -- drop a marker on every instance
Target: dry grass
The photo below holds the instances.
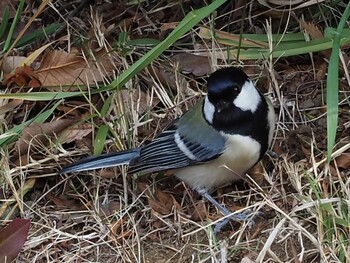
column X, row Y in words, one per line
column 109, row 216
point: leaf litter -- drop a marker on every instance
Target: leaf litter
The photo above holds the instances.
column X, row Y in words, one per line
column 163, row 221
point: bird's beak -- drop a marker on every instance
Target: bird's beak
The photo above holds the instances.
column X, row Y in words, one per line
column 222, row 105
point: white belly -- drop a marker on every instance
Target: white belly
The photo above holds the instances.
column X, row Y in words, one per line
column 241, row 153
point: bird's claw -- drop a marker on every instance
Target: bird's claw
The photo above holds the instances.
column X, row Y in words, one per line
column 272, row 154
column 245, row 216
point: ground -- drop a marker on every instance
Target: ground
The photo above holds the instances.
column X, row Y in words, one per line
column 300, row 201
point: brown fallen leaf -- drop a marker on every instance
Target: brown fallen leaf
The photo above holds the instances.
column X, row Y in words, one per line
column 161, row 202
column 109, row 208
column 23, row 76
column 158, row 207
column 322, row 71
column 191, row 64
column 10, row 63
column 343, row 161
column 315, row 33
column 38, row 134
column 118, row 234
column 10, row 106
column 257, row 173
column 229, row 39
column 199, row 212
column 313, row 30
column 143, row 187
column 168, row 77
column 61, row 68
column 64, row 202
column 165, row 199
column 76, row 132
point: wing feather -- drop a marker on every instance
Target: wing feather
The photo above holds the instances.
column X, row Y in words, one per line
column 168, row 152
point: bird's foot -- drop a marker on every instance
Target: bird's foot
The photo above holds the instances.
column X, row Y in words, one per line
column 272, row 154
column 239, row 217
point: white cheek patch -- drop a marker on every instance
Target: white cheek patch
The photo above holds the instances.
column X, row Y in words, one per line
column 208, row 110
column 249, row 98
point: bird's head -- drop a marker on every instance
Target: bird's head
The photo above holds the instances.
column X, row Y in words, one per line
column 229, row 91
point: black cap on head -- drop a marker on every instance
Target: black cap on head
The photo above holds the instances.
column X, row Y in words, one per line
column 226, row 78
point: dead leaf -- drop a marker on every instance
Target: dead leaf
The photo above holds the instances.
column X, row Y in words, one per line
column 10, row 63
column 321, row 71
column 38, row 134
column 10, row 106
column 315, row 33
column 199, row 212
column 162, row 202
column 76, row 132
column 143, row 187
column 325, row 187
column 229, row 39
column 64, row 202
column 343, row 161
column 168, row 26
column 12, row 239
column 61, row 68
column 169, row 78
column 156, row 221
column 177, row 205
column 164, row 76
column 165, row 199
column 158, row 207
column 257, row 173
column 117, row 234
column 191, row 64
column 23, row 76
column 21, row 160
column 313, row 30
column 109, row 208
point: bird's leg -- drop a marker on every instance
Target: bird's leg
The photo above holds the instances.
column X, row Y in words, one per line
column 272, row 154
column 236, row 217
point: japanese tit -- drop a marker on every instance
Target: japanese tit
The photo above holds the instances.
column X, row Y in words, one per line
column 214, row 143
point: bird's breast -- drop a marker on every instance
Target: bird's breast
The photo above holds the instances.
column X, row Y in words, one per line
column 241, row 153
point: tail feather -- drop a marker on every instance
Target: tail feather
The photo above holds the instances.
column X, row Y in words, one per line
column 102, row 161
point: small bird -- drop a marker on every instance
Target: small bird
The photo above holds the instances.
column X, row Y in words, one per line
column 214, row 143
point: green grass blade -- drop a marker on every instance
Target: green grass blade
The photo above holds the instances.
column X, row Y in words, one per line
column 40, row 96
column 12, row 134
column 142, row 42
column 191, row 19
column 106, row 106
column 4, row 21
column 38, row 34
column 13, row 26
column 333, row 85
column 100, row 139
column 286, row 49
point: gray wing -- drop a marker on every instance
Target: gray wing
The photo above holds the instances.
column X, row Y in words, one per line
column 189, row 141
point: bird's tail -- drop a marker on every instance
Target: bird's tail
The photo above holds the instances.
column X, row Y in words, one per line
column 102, row 161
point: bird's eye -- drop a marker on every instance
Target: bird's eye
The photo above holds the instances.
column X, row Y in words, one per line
column 236, row 89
